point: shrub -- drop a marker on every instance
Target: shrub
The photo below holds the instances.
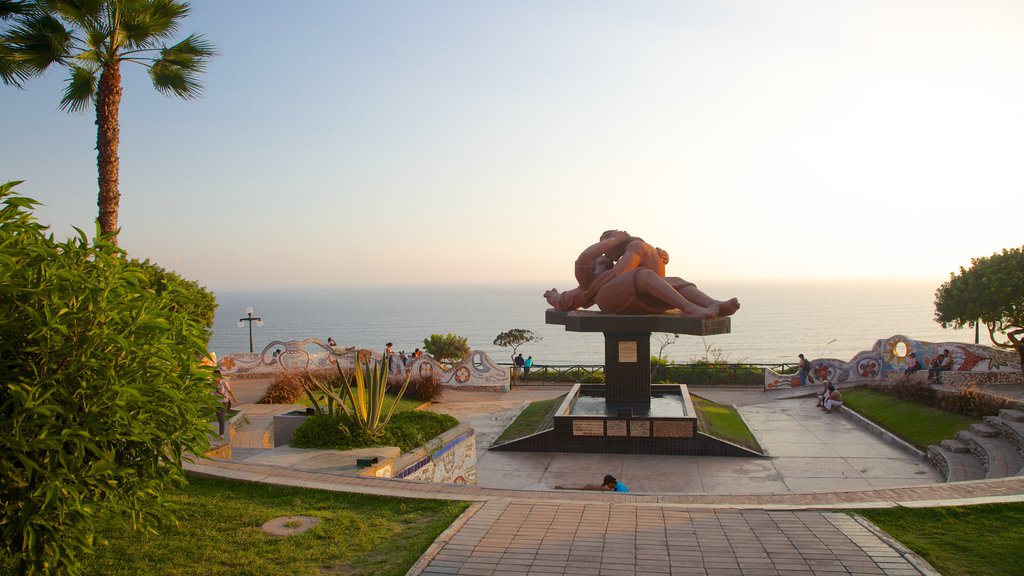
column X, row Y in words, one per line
column 446, row 348
column 407, row 430
column 286, row 388
column 322, row 431
column 967, row 400
column 970, row 402
column 422, row 388
column 101, row 391
column 290, row 387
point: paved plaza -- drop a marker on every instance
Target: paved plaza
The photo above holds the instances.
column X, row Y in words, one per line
column 685, row 515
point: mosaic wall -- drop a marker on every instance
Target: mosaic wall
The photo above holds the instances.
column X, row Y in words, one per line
column 453, row 462
column 476, row 372
column 889, row 357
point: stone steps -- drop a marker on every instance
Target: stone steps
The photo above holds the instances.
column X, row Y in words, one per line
column 996, row 446
column 955, row 466
column 1012, row 415
column 997, row 455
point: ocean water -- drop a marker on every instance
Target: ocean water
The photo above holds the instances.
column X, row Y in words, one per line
column 777, row 321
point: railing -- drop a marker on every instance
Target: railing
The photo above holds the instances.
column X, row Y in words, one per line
column 697, row 374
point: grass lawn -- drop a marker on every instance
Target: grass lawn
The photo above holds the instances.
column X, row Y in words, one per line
column 982, row 540
column 920, row 425
column 219, row 533
column 722, row 421
column 536, row 417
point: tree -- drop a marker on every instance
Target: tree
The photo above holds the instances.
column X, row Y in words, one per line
column 515, row 338
column 664, row 341
column 101, row 390
column 91, row 38
column 992, row 292
column 446, row 348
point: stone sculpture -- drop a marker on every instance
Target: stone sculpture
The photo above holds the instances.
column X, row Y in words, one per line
column 625, row 275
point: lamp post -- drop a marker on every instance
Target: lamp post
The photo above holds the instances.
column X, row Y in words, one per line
column 250, row 320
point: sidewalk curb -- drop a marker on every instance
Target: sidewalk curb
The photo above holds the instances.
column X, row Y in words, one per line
column 435, row 547
column 919, row 563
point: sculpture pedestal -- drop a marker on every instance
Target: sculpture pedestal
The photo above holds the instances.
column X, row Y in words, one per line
column 627, row 345
column 628, row 415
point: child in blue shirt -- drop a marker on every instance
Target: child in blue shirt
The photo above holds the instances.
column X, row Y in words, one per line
column 614, row 485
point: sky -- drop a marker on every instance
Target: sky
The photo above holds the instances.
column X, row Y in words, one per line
column 341, row 143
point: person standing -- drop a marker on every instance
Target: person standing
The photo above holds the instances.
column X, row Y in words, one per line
column 803, row 366
column 389, row 355
column 527, row 364
column 519, row 363
column 225, row 396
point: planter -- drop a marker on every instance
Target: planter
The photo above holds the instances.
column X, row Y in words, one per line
column 285, row 425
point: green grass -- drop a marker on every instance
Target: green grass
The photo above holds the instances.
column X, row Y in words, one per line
column 723, row 422
column 920, row 425
column 982, row 540
column 536, row 417
column 219, row 533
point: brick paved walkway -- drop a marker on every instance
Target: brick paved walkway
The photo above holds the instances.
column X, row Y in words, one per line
column 510, row 537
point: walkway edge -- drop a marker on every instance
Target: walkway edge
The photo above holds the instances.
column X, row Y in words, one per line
column 439, row 542
column 919, row 563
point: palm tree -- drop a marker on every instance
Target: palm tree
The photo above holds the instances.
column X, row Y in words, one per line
column 91, row 38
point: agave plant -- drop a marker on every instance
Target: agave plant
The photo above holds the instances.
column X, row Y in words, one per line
column 330, row 403
column 361, row 396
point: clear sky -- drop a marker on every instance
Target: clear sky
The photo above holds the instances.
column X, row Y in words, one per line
column 407, row 141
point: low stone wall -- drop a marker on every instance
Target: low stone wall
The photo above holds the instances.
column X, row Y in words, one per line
column 449, row 458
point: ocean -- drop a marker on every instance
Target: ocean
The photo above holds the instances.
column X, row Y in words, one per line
column 777, row 321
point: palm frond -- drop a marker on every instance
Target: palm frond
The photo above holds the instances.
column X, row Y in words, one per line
column 81, row 89
column 12, row 8
column 75, row 11
column 36, row 41
column 174, row 71
column 143, row 22
column 12, row 72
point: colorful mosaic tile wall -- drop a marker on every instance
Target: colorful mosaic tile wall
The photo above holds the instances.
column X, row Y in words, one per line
column 476, row 372
column 890, row 356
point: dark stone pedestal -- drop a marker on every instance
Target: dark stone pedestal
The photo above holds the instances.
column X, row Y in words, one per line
column 627, row 345
column 622, row 416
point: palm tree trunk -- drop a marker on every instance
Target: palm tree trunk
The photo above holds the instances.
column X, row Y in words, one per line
column 108, row 137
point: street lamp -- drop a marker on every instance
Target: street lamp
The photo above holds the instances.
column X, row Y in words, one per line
column 250, row 320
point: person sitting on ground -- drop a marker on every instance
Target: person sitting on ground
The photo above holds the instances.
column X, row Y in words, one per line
column 614, row 485
column 834, row 400
column 823, row 394
column 913, row 364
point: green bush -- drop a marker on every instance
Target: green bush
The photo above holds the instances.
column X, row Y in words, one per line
column 101, row 391
column 407, row 430
column 446, row 347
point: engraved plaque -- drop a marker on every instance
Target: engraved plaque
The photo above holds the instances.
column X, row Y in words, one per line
column 616, row 427
column 673, row 429
column 627, row 352
column 639, row 427
column 588, row 427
